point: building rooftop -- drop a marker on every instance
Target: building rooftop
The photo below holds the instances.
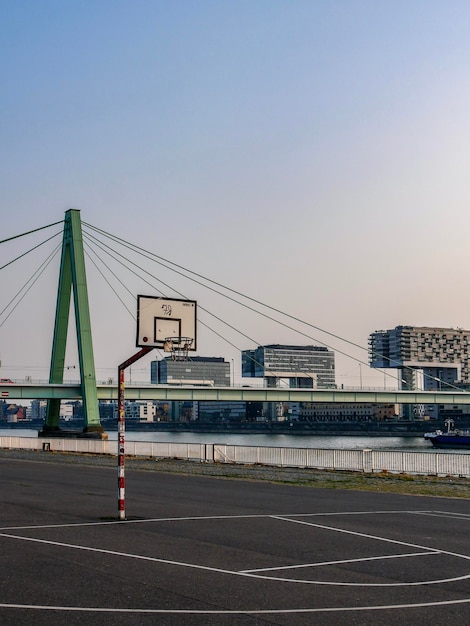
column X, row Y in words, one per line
column 278, row 346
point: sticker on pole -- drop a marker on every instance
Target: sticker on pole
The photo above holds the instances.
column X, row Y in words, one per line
column 164, row 321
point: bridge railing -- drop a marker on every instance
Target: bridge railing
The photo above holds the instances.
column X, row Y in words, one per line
column 393, row 461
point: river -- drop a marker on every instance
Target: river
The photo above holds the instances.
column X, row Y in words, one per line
column 349, row 442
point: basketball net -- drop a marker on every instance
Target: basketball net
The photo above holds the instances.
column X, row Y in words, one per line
column 178, row 347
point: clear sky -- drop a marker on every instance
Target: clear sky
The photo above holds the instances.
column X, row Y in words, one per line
column 312, row 154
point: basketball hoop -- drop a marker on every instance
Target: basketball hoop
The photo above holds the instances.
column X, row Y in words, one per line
column 162, row 319
column 178, row 346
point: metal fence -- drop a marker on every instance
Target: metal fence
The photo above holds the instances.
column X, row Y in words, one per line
column 398, row 462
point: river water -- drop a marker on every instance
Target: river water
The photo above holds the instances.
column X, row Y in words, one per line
column 269, row 440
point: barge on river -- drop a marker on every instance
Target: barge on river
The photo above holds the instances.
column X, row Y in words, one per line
column 451, row 438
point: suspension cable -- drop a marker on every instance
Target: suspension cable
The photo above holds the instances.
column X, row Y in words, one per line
column 33, row 279
column 97, row 243
column 246, row 306
column 29, row 232
column 30, row 250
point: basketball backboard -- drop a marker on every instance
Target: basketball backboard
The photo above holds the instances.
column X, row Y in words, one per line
column 162, row 319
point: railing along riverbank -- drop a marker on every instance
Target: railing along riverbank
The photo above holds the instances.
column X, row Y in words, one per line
column 373, row 461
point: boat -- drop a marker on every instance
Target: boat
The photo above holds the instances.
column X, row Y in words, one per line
column 451, row 438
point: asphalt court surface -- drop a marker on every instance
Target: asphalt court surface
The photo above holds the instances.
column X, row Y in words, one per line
column 198, row 550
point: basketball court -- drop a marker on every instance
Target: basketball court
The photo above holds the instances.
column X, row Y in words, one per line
column 209, row 551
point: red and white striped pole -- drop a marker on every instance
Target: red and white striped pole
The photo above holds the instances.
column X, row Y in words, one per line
column 122, row 432
column 121, row 449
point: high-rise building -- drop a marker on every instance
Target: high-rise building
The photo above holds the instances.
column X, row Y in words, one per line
column 197, row 370
column 300, row 366
column 307, row 367
column 444, row 351
column 427, row 358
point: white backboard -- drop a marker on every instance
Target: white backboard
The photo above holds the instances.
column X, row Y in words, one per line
column 159, row 319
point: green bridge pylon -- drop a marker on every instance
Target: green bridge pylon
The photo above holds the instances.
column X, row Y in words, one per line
column 73, row 276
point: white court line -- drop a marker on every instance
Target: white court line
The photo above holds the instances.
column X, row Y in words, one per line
column 382, row 607
column 464, row 517
column 341, row 513
column 203, row 518
column 225, row 612
column 128, row 555
column 323, row 563
column 365, row 535
column 138, row 521
column 254, row 575
column 450, row 514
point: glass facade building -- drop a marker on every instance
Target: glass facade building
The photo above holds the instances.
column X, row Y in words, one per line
column 302, row 366
column 197, row 370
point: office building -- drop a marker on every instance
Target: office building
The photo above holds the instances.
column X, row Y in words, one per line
column 298, row 366
column 197, row 370
column 203, row 371
column 140, row 411
column 427, row 358
column 348, row 412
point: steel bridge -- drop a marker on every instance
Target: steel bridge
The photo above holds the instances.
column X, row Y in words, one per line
column 65, row 391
